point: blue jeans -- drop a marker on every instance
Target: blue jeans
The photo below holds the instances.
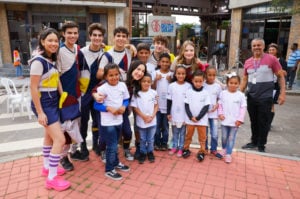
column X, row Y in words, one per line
column 178, row 137
column 213, row 129
column 162, row 131
column 147, row 139
column 228, row 137
column 291, row 74
column 19, row 71
column 110, row 135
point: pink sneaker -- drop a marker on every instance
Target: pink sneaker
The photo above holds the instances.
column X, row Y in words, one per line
column 60, row 171
column 173, row 151
column 179, row 153
column 57, row 183
column 228, row 158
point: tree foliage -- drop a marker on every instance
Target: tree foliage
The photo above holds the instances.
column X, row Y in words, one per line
column 281, row 5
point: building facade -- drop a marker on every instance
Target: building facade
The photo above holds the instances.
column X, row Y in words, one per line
column 259, row 18
column 21, row 21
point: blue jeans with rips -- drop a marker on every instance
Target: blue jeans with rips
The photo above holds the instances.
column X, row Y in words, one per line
column 178, row 137
column 147, row 139
column 162, row 131
column 213, row 129
column 228, row 138
column 110, row 135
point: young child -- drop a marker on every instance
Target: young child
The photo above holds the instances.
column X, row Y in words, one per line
column 161, row 83
column 231, row 111
column 214, row 89
column 175, row 109
column 143, row 54
column 115, row 102
column 197, row 103
column 145, row 106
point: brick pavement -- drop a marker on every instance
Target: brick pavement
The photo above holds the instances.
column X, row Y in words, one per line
column 248, row 176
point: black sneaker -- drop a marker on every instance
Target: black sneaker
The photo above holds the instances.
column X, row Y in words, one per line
column 113, row 175
column 200, row 156
column 157, row 147
column 142, row 158
column 96, row 149
column 249, row 146
column 84, row 150
column 122, row 167
column 164, row 147
column 79, row 157
column 186, row 153
column 261, row 149
column 151, row 157
column 66, row 164
column 137, row 152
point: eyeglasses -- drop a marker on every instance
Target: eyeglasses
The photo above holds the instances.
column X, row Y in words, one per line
column 97, row 35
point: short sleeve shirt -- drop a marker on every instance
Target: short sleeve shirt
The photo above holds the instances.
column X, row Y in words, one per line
column 261, row 76
column 114, row 96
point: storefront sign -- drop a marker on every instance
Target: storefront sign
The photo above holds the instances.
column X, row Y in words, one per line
column 161, row 25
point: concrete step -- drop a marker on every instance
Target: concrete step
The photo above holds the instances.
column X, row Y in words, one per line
column 8, row 70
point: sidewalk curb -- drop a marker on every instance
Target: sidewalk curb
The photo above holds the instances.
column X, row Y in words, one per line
column 272, row 155
column 194, row 146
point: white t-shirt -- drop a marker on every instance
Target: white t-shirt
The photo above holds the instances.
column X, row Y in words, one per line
column 177, row 93
column 214, row 91
column 114, row 96
column 145, row 102
column 151, row 70
column 196, row 101
column 152, row 60
column 162, row 90
column 66, row 58
column 231, row 104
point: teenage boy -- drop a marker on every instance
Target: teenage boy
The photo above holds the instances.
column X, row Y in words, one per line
column 67, row 65
column 120, row 55
column 160, row 46
column 88, row 59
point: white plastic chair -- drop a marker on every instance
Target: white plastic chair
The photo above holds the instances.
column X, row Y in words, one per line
column 17, row 100
column 11, row 91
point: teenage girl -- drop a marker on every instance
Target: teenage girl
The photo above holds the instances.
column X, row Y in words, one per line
column 231, row 111
column 175, row 109
column 114, row 104
column 188, row 58
column 197, row 102
column 214, row 89
column 144, row 103
column 45, row 89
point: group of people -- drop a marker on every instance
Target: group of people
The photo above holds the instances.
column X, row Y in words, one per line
column 69, row 83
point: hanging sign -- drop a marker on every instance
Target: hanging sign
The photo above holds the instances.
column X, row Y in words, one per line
column 161, row 25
